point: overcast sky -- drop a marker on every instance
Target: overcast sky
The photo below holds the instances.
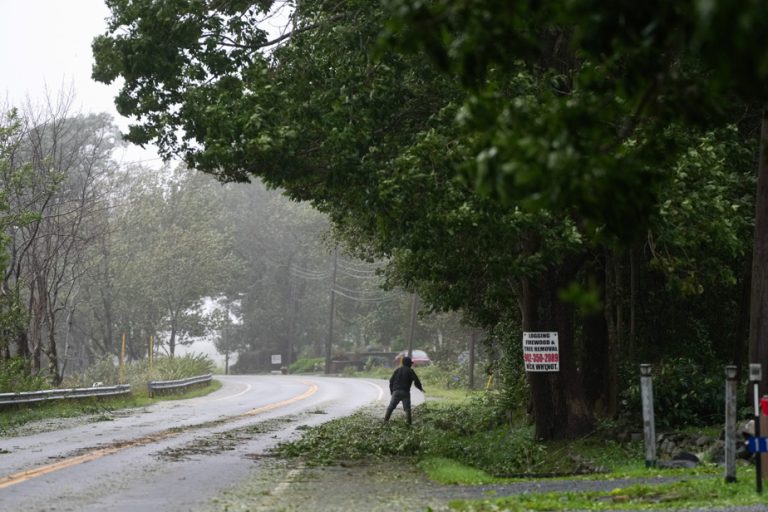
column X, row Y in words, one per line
column 46, row 45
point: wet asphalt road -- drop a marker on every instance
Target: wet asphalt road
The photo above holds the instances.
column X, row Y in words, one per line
column 175, row 455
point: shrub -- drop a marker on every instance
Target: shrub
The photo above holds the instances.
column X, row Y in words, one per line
column 471, row 432
column 137, row 373
column 685, row 393
column 16, row 376
column 307, row 365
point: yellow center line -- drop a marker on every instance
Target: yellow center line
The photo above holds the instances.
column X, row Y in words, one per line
column 23, row 476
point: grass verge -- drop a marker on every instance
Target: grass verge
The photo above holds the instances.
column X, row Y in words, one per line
column 470, row 443
column 705, row 492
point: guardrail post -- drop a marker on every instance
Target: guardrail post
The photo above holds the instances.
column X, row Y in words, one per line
column 755, row 376
column 649, row 427
column 730, row 424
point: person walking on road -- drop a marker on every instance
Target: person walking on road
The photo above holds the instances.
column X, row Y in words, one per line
column 400, row 388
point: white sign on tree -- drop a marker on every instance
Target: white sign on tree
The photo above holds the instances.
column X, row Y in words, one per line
column 541, row 352
column 277, row 359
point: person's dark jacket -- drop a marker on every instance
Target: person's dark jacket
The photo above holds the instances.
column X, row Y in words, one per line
column 402, row 378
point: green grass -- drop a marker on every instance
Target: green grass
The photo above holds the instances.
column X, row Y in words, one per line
column 14, row 418
column 703, row 492
column 450, row 472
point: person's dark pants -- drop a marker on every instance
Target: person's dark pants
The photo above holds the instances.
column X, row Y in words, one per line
column 397, row 397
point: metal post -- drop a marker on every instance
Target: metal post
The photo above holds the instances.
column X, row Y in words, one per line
column 649, row 427
column 730, row 424
column 755, row 375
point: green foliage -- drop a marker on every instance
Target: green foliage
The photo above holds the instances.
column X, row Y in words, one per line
column 174, row 368
column 686, row 393
column 705, row 217
column 16, row 376
column 450, row 472
column 549, row 137
column 307, row 365
column 138, row 373
column 590, row 135
column 475, row 434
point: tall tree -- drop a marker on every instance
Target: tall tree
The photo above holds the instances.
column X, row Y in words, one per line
column 567, row 165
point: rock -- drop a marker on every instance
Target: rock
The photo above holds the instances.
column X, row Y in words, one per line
column 686, row 456
column 703, row 441
column 676, row 464
column 716, row 453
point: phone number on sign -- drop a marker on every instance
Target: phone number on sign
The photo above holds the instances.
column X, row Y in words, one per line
column 542, row 358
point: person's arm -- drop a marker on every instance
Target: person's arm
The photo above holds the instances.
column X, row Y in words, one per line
column 417, row 382
column 391, row 380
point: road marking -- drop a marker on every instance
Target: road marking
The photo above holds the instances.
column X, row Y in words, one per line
column 283, row 486
column 23, row 476
column 248, row 387
column 381, row 390
column 309, row 392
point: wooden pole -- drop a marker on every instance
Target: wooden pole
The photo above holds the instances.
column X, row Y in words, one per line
column 412, row 326
column 329, row 341
column 151, row 355
column 122, row 360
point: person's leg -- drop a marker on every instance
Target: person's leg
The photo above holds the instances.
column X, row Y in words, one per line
column 392, row 405
column 407, row 407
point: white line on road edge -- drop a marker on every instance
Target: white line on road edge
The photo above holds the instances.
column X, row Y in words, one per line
column 268, row 502
column 248, row 387
column 381, row 390
column 283, row 486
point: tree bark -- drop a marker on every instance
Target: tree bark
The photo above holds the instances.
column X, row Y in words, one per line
column 594, row 340
column 559, row 408
column 758, row 325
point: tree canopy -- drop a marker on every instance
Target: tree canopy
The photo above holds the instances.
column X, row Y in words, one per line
column 511, row 160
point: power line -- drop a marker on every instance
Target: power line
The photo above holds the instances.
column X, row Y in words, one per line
column 358, row 276
column 369, row 271
column 350, row 290
column 377, row 300
column 309, row 275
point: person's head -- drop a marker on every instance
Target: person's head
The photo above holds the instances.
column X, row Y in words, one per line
column 407, row 361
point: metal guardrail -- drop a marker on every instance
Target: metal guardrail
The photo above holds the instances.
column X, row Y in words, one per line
column 30, row 397
column 155, row 386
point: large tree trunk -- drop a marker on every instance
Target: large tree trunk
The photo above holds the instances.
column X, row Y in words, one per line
column 594, row 360
column 53, row 359
column 758, row 325
column 614, row 323
column 559, row 408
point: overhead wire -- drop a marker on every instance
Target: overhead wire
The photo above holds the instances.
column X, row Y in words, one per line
column 377, row 300
column 350, row 290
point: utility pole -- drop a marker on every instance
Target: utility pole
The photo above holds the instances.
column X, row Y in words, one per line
column 292, row 324
column 225, row 335
column 329, row 341
column 414, row 299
